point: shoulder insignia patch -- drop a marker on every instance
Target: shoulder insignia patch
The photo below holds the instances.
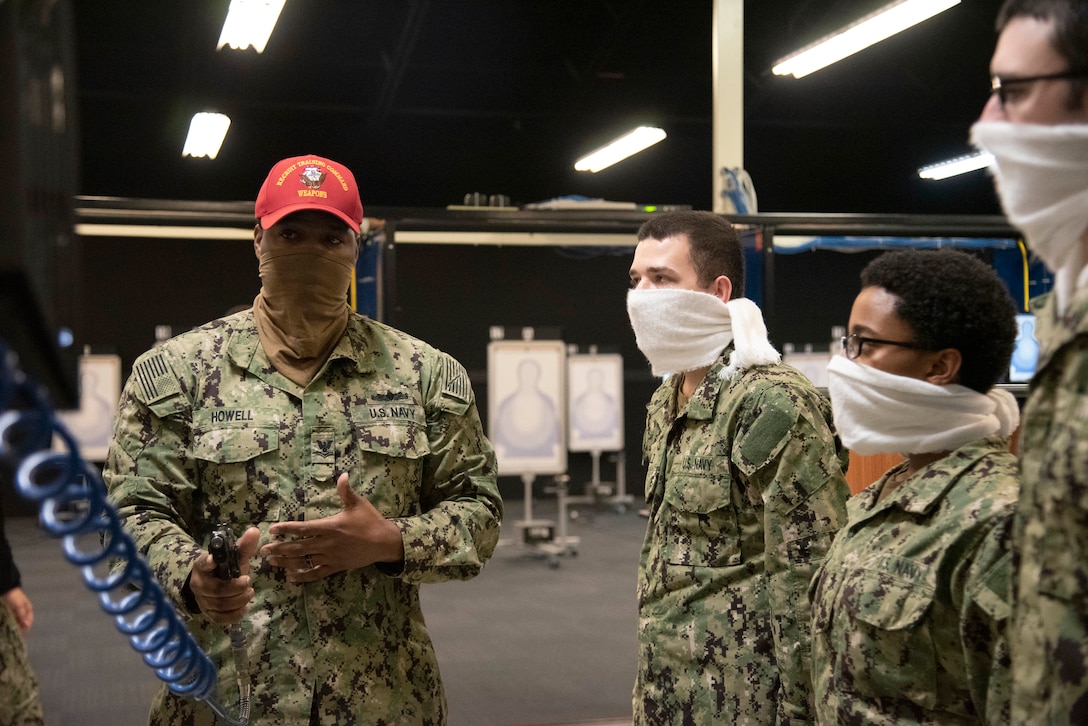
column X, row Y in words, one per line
column 155, row 378
column 457, row 384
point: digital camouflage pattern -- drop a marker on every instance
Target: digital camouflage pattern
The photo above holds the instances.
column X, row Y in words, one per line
column 1049, row 641
column 20, row 703
column 745, row 489
column 911, row 607
column 209, row 432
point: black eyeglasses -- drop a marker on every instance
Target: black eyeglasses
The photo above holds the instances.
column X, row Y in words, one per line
column 1000, row 84
column 852, row 344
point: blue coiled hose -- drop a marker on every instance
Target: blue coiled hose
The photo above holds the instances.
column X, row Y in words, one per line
column 64, row 483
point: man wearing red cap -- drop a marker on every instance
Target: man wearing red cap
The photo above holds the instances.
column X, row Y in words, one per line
column 351, row 453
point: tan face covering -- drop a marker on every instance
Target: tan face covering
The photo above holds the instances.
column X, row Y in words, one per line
column 302, row 309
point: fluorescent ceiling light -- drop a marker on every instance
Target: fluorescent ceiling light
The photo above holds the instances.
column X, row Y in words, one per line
column 630, row 143
column 953, row 167
column 206, row 134
column 249, row 23
column 873, row 28
column 160, row 231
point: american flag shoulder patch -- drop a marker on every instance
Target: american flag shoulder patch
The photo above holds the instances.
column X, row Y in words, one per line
column 457, row 384
column 155, row 379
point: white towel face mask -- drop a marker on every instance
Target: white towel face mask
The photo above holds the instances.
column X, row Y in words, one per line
column 678, row 330
column 1041, row 175
column 878, row 412
column 683, row 330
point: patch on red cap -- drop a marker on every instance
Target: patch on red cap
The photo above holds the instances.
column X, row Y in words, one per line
column 309, row 182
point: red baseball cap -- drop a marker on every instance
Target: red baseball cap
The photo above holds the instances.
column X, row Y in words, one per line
column 309, row 182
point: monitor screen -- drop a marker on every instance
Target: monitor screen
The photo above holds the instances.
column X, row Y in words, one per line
column 1026, row 352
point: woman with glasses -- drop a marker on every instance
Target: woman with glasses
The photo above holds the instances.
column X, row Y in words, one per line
column 911, row 604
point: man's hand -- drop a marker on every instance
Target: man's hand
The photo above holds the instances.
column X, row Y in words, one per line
column 354, row 538
column 19, row 604
column 224, row 601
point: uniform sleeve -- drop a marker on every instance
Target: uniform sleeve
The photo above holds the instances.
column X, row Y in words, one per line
column 150, row 476
column 458, row 527
column 791, row 458
column 984, row 619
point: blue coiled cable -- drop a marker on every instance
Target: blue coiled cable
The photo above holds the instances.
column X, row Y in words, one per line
column 64, row 483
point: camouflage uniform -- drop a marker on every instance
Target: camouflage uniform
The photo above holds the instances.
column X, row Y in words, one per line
column 911, row 606
column 20, row 703
column 208, row 432
column 1049, row 641
column 745, row 490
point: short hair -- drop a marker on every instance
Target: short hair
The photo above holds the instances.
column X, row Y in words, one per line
column 1070, row 34
column 952, row 299
column 715, row 245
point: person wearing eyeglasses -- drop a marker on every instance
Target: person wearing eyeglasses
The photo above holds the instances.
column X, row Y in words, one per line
column 910, row 608
column 1036, row 127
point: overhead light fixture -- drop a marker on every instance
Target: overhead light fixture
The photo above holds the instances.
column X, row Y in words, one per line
column 954, row 167
column 206, row 134
column 630, row 143
column 250, row 23
column 872, row 28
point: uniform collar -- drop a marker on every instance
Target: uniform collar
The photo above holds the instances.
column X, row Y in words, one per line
column 702, row 403
column 356, row 344
column 923, row 492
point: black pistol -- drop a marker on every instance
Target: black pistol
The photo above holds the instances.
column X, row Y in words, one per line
column 224, row 550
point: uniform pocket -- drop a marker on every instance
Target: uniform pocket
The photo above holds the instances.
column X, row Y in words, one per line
column 234, row 445
column 393, row 427
column 700, row 522
column 402, row 439
column 891, row 649
column 390, row 461
column 233, row 454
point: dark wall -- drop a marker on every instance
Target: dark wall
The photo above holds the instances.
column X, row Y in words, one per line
column 133, row 284
column 815, row 290
column 812, row 292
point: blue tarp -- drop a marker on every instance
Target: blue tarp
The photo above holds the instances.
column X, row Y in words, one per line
column 789, row 244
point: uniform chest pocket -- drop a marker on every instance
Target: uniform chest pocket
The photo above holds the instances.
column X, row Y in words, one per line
column 888, row 640
column 392, row 428
column 402, row 439
column 699, row 521
column 234, row 444
column 388, row 461
column 232, row 456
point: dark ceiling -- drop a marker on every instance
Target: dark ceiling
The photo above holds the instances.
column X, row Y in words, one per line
column 430, row 99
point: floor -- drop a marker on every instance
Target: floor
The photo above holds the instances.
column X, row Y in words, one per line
column 533, row 641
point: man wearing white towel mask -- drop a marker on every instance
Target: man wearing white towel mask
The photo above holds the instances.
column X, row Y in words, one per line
column 1036, row 126
column 911, row 606
column 745, row 490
